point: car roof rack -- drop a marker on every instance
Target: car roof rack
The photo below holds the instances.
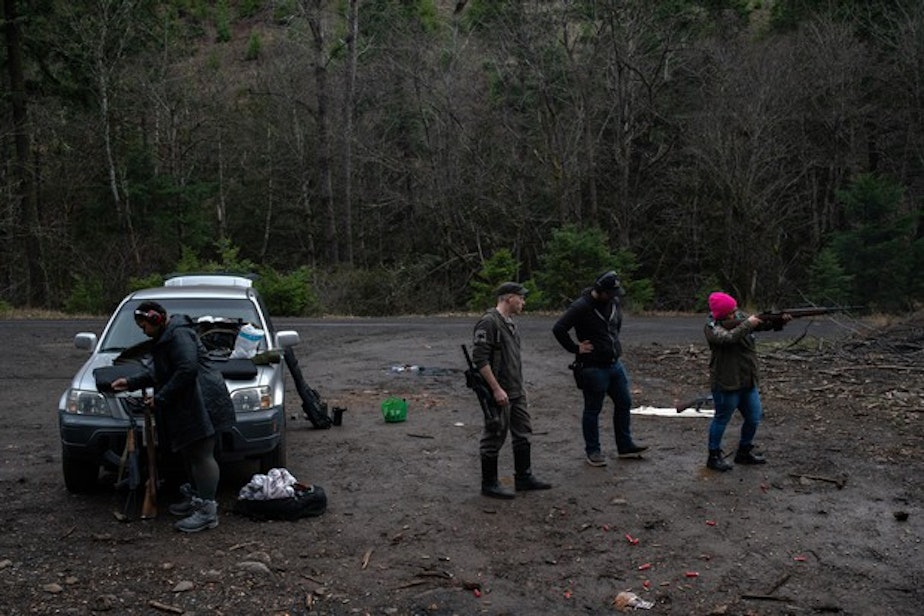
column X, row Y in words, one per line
column 221, row 279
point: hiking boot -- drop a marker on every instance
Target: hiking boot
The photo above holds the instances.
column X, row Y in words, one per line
column 184, row 507
column 746, row 455
column 716, row 461
column 205, row 515
column 596, row 459
column 632, row 451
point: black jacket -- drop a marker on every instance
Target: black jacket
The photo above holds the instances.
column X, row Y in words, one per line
column 593, row 320
column 190, row 396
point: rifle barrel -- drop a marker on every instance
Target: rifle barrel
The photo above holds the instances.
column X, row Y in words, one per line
column 812, row 311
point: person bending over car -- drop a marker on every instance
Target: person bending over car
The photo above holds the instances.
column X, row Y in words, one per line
column 192, row 403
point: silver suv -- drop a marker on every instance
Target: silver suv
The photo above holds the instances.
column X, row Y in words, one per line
column 94, row 425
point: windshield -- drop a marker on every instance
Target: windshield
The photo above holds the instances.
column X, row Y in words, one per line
column 124, row 332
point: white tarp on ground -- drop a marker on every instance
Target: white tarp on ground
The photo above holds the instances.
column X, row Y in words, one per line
column 672, row 412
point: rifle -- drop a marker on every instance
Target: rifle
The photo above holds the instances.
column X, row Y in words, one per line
column 775, row 317
column 129, row 463
column 696, row 403
column 315, row 410
column 476, row 382
column 149, row 505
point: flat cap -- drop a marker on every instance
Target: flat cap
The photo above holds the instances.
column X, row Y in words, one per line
column 511, row 287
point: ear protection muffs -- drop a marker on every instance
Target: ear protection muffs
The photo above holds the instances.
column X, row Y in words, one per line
column 151, row 316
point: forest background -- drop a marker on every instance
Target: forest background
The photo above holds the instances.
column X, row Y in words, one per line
column 377, row 157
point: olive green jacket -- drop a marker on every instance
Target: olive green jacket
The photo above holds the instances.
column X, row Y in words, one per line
column 733, row 364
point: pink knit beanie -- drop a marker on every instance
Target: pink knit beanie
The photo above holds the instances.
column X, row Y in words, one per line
column 721, row 305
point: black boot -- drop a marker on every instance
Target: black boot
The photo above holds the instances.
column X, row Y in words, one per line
column 523, row 477
column 746, row 455
column 717, row 461
column 489, row 485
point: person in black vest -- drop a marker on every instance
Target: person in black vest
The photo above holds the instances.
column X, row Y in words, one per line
column 496, row 355
column 596, row 318
column 191, row 401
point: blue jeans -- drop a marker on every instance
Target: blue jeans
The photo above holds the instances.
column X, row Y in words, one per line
column 600, row 382
column 726, row 402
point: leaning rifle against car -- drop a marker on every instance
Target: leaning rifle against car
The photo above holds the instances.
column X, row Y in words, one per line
column 129, row 474
column 315, row 409
column 776, row 319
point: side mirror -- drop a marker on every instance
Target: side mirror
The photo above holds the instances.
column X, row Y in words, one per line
column 85, row 340
column 287, row 338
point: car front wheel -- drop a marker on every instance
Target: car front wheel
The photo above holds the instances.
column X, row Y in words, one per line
column 277, row 457
column 80, row 476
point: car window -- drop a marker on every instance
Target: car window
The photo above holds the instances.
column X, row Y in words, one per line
column 124, row 332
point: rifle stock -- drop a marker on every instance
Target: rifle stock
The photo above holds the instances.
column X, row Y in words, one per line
column 696, row 403
column 476, row 382
column 129, row 464
column 149, row 505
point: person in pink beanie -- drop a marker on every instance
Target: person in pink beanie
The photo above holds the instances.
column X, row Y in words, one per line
column 733, row 378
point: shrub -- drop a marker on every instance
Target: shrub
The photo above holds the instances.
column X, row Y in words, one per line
column 86, row 297
column 253, row 47
column 288, row 294
column 575, row 257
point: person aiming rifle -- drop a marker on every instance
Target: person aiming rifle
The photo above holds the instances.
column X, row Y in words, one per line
column 496, row 357
column 733, row 376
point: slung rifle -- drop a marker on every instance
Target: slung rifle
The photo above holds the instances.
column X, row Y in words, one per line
column 476, row 382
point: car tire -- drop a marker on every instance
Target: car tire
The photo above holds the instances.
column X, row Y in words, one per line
column 277, row 457
column 80, row 476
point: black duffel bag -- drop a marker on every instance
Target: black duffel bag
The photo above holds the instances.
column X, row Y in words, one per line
column 105, row 375
column 308, row 502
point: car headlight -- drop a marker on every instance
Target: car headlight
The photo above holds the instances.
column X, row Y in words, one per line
column 84, row 402
column 251, row 399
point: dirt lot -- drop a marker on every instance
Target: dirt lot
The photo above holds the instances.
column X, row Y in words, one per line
column 817, row 530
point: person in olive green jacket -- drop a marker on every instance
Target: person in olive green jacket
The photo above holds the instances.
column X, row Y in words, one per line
column 496, row 355
column 733, row 378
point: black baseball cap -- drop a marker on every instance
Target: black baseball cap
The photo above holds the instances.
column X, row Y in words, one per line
column 608, row 283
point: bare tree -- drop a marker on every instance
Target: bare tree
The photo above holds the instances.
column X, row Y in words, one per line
column 349, row 94
column 312, row 11
column 20, row 227
column 105, row 30
column 742, row 152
